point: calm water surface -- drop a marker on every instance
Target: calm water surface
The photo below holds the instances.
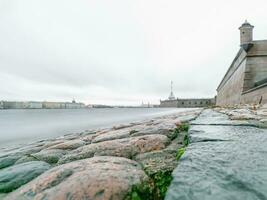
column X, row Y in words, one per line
column 20, row 126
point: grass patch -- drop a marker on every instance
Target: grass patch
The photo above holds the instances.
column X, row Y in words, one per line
column 154, row 190
column 186, row 140
column 174, row 134
column 183, row 127
column 179, row 153
column 142, row 192
column 135, row 196
column 162, row 181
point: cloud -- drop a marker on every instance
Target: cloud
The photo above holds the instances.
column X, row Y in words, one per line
column 119, row 52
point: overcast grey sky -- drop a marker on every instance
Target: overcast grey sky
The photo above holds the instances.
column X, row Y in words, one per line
column 120, row 51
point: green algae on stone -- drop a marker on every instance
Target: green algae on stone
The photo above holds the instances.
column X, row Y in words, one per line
column 156, row 190
column 180, row 152
column 8, row 161
column 183, row 127
column 186, row 140
column 159, row 164
column 174, row 134
column 135, row 196
column 15, row 176
column 144, row 191
column 162, row 181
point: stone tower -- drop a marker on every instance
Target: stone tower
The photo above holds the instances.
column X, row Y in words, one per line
column 246, row 33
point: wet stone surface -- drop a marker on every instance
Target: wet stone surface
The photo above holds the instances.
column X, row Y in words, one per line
column 127, row 147
column 94, row 178
column 221, row 162
column 13, row 177
column 129, row 161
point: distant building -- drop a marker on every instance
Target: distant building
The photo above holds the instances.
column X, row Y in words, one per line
column 245, row 82
column 12, row 105
column 53, row 105
column 32, row 105
column 74, row 105
column 185, row 103
column 39, row 105
column 101, row 106
column 1, row 105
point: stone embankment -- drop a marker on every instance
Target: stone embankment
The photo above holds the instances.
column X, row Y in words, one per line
column 247, row 115
column 226, row 157
column 132, row 161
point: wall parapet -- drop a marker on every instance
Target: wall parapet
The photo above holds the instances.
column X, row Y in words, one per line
column 255, row 88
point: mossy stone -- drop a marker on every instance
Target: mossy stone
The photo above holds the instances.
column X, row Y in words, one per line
column 15, row 176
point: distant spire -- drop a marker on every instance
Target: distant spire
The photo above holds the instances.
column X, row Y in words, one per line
column 171, row 97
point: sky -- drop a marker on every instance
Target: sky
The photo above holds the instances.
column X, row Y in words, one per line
column 120, row 52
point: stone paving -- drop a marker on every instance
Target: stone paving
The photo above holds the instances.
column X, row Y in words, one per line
column 127, row 161
column 226, row 158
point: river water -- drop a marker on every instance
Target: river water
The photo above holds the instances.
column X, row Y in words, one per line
column 223, row 161
column 21, row 126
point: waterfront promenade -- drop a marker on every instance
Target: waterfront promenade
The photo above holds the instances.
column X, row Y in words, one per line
column 136, row 160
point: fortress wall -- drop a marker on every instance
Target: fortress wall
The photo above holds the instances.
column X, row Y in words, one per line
column 259, row 48
column 257, row 68
column 256, row 63
column 229, row 93
column 191, row 103
column 255, row 95
column 241, row 55
column 245, row 82
column 187, row 103
column 168, row 104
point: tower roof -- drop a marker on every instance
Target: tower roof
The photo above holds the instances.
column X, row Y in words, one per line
column 246, row 24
